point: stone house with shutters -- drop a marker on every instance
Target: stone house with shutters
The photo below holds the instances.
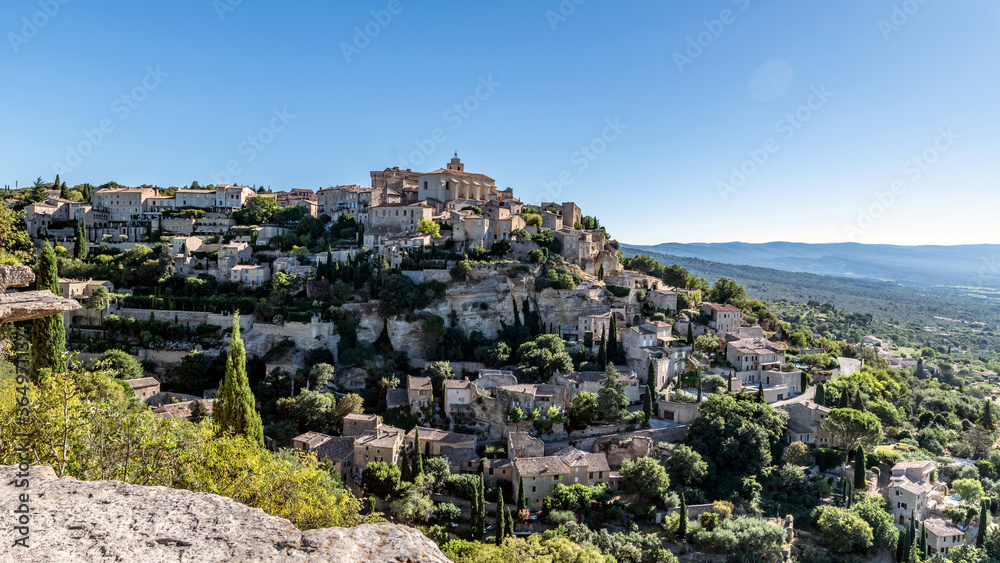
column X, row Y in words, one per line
column 910, row 491
column 338, row 450
column 145, row 388
column 458, row 395
column 433, row 441
column 420, row 391
column 943, row 536
column 568, row 467
column 723, row 318
column 805, row 421
column 384, row 444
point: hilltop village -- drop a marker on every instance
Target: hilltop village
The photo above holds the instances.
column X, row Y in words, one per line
column 434, row 324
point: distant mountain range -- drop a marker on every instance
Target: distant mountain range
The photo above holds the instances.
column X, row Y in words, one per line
column 961, row 265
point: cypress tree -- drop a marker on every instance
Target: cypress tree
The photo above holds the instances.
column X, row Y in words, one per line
column 521, row 502
column 48, row 334
column 922, row 546
column 474, row 510
column 613, row 335
column 499, row 517
column 697, row 374
column 682, row 525
column 859, row 469
column 984, row 521
column 820, row 398
column 418, row 456
column 237, row 413
column 404, row 469
column 843, row 399
column 647, row 403
column 901, row 550
column 600, row 273
column 517, row 317
column 509, row 522
column 602, row 352
column 482, row 507
column 912, row 530
column 858, row 403
column 919, row 373
column 729, row 382
column 691, row 333
column 80, row 240
column 760, row 392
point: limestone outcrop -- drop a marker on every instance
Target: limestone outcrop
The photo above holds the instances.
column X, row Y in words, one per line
column 90, row 521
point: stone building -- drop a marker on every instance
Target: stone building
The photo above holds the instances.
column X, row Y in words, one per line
column 722, row 318
column 910, row 491
column 805, row 422
column 433, row 441
column 454, row 183
column 420, row 391
column 145, row 388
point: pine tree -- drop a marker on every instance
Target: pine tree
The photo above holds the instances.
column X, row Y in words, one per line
column 522, row 503
column 80, row 240
column 984, row 521
column 237, row 413
column 859, row 469
column 418, row 456
column 986, row 418
column 602, row 352
column 499, row 517
column 820, row 398
column 682, row 525
column 48, row 334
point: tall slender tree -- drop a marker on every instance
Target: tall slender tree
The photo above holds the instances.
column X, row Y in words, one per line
column 48, row 334
column 984, row 521
column 405, row 467
column 760, row 392
column 600, row 273
column 613, row 335
column 521, row 502
column 682, row 524
column 922, row 545
column 697, row 375
column 235, row 411
column 647, row 401
column 859, row 469
column 901, row 549
column 418, row 456
column 80, row 240
column 986, row 418
column 482, row 508
column 509, row 524
column 690, row 338
column 602, row 352
column 729, row 381
column 498, row 515
column 820, row 398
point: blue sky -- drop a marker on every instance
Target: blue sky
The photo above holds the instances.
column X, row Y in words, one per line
column 641, row 112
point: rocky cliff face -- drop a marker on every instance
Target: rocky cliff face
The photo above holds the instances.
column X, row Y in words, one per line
column 74, row 520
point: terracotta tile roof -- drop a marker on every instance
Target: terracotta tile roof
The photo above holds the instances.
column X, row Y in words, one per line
column 396, row 398
column 142, row 382
column 460, row 174
column 540, row 466
column 727, row 308
column 942, row 528
column 574, row 457
column 336, row 448
column 418, row 383
column 910, row 484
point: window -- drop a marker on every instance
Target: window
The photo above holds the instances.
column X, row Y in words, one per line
column 534, row 489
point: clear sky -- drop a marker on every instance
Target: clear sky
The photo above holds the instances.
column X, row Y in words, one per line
column 641, row 112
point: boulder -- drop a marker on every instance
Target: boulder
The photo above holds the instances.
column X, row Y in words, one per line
column 350, row 378
column 74, row 520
